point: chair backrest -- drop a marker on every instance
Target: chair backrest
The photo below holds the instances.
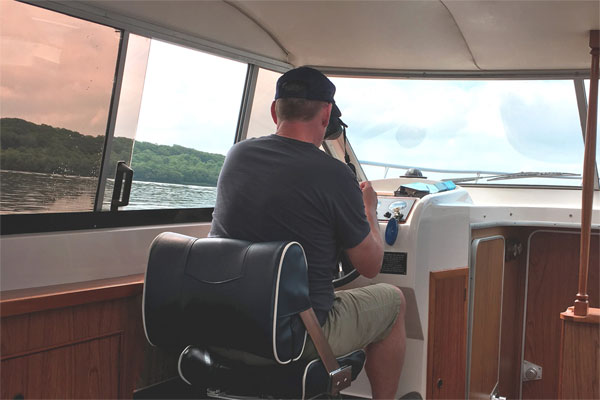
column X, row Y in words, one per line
column 228, row 293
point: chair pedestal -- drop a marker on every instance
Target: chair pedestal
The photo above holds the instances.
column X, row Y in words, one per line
column 230, row 379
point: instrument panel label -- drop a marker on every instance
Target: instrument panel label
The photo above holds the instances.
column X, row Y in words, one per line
column 394, row 263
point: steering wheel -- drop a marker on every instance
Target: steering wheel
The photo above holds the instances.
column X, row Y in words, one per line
column 345, row 272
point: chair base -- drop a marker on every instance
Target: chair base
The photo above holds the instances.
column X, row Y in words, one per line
column 227, row 379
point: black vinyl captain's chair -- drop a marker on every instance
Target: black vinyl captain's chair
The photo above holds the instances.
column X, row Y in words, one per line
column 202, row 295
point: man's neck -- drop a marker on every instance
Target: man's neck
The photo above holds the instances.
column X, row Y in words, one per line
column 301, row 131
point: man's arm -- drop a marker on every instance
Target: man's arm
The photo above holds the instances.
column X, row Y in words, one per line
column 367, row 256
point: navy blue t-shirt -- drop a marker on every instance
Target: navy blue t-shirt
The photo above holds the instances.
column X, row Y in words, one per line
column 276, row 188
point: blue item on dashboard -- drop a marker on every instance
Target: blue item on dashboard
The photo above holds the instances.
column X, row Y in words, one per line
column 443, row 186
column 391, row 231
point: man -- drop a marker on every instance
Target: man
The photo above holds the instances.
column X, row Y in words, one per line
column 282, row 187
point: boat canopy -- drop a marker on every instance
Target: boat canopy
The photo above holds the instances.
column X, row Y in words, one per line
column 471, row 36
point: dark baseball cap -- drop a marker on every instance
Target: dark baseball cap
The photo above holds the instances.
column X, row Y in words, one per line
column 305, row 83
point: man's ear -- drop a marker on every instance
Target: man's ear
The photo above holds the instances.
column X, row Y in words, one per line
column 325, row 114
column 273, row 113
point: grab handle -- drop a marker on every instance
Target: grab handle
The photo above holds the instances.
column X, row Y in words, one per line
column 123, row 171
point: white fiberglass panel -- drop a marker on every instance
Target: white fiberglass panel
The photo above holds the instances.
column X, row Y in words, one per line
column 46, row 259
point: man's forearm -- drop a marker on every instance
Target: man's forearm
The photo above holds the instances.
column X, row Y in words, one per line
column 375, row 233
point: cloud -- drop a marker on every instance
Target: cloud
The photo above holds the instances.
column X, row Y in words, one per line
column 539, row 127
column 463, row 125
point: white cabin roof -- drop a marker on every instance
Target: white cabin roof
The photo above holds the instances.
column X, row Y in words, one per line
column 444, row 35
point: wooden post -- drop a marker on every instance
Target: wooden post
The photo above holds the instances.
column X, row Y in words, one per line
column 581, row 305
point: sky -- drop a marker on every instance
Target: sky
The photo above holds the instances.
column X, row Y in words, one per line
column 486, row 125
column 190, row 98
column 60, row 72
column 55, row 69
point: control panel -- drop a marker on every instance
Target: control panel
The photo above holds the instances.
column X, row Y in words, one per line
column 388, row 206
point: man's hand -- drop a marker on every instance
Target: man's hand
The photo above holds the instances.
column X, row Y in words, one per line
column 370, row 199
column 368, row 255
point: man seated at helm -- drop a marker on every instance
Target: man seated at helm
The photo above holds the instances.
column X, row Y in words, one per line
column 282, row 187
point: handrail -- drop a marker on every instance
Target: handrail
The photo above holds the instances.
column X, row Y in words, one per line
column 581, row 306
column 452, row 171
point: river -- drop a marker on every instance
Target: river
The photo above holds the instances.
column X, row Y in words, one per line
column 27, row 192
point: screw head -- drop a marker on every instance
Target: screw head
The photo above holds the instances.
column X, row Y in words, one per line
column 531, row 373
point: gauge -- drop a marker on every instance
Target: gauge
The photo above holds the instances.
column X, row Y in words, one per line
column 398, row 205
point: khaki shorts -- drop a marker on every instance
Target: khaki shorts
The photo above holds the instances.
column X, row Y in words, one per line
column 358, row 318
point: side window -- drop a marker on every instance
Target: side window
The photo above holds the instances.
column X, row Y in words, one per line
column 261, row 123
column 57, row 82
column 176, row 121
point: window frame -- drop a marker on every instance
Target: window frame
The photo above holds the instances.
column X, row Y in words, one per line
column 18, row 223
column 112, row 118
column 577, row 76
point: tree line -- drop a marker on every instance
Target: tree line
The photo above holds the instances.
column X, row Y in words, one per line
column 29, row 147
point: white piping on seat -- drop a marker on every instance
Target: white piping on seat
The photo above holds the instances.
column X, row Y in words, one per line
column 276, row 302
column 179, row 366
column 303, row 346
column 144, row 290
column 305, row 331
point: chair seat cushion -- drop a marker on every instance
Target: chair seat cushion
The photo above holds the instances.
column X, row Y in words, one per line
column 300, row 379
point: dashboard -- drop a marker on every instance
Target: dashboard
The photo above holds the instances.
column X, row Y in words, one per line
column 388, row 206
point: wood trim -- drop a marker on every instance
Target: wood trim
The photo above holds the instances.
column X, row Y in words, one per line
column 552, row 279
column 581, row 304
column 579, row 366
column 430, row 339
column 60, row 339
column 488, row 276
column 24, row 301
column 593, row 316
column 83, row 370
column 430, row 335
column 448, row 273
column 436, row 280
column 60, row 345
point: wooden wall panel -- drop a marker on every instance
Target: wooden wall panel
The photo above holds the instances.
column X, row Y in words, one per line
column 446, row 362
column 89, row 369
column 513, row 300
column 580, row 364
column 513, row 304
column 98, row 333
column 487, row 302
column 551, row 288
column 22, row 333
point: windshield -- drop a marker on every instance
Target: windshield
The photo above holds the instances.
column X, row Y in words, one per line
column 453, row 129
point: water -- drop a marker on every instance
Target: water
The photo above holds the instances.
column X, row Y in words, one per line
column 27, row 192
column 152, row 195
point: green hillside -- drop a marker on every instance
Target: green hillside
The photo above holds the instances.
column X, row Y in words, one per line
column 25, row 146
